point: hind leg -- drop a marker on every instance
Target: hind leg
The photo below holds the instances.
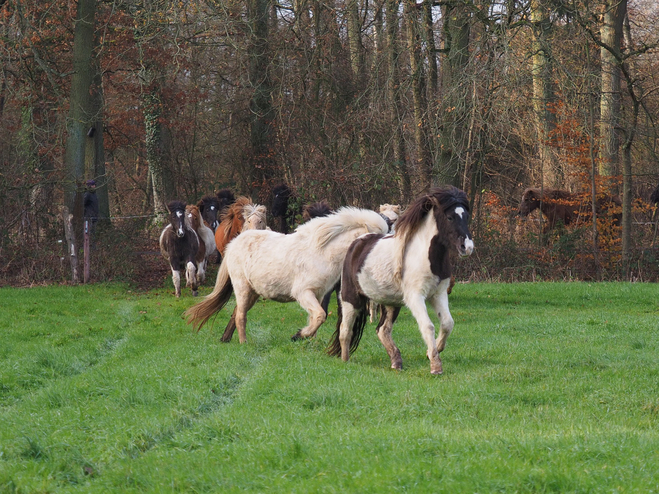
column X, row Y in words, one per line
column 244, row 302
column 384, row 329
column 317, row 315
column 440, row 304
column 176, row 280
column 231, row 327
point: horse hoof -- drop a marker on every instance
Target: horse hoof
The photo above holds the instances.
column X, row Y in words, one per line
column 436, row 372
column 297, row 336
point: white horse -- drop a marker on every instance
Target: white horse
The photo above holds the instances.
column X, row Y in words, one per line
column 301, row 266
column 407, row 268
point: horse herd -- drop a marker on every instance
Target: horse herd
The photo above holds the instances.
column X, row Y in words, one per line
column 388, row 259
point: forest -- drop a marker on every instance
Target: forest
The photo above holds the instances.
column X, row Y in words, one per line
column 354, row 102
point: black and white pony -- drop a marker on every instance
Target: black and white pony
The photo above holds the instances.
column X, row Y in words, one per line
column 209, row 207
column 301, row 266
column 179, row 244
column 406, row 268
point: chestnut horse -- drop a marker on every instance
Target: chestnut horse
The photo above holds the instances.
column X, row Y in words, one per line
column 560, row 205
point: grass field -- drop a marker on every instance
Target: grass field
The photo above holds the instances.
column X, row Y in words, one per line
column 547, row 387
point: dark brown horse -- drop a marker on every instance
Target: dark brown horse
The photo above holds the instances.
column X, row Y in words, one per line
column 209, row 207
column 560, row 205
column 179, row 244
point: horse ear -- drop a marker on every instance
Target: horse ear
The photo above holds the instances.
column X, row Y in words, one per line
column 261, row 208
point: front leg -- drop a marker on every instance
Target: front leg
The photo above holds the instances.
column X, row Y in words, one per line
column 317, row 315
column 417, row 305
column 176, row 281
column 440, row 305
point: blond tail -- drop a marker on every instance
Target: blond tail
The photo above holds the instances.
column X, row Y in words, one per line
column 199, row 314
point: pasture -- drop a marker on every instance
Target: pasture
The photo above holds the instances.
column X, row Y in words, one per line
column 547, row 387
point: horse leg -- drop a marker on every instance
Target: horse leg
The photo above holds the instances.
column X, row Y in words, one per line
column 191, row 277
column 317, row 315
column 417, row 306
column 231, row 327
column 345, row 331
column 201, row 272
column 440, row 304
column 176, row 280
column 244, row 302
column 384, row 329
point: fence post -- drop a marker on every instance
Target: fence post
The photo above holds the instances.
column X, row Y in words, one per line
column 71, row 242
column 87, row 253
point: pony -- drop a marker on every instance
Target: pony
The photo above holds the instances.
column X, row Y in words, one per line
column 206, row 241
column 225, row 198
column 561, row 205
column 281, row 194
column 179, row 245
column 406, row 268
column 301, row 266
column 209, row 207
column 241, row 215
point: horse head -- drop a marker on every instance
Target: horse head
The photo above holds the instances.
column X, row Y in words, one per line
column 209, row 207
column 177, row 215
column 453, row 215
column 194, row 217
column 390, row 213
column 530, row 201
column 255, row 217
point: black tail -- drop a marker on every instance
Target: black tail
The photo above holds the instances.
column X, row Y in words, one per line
column 334, row 346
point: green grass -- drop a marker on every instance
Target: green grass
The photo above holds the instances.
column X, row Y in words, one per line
column 547, row 387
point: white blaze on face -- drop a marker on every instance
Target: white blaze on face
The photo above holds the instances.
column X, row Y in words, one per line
column 459, row 211
column 180, row 231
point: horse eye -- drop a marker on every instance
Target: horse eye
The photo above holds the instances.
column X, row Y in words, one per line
column 450, row 218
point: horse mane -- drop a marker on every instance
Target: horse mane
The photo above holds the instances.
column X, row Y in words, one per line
column 250, row 210
column 325, row 229
column 176, row 205
column 232, row 222
column 437, row 198
column 316, row 210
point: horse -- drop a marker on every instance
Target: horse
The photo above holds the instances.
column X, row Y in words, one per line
column 209, row 207
column 562, row 205
column 225, row 198
column 281, row 194
column 179, row 244
column 405, row 269
column 206, row 241
column 302, row 266
column 241, row 215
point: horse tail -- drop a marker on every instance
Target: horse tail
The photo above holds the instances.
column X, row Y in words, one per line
column 358, row 325
column 344, row 220
column 199, row 314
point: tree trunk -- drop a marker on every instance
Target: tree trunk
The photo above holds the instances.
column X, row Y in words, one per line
column 262, row 115
column 98, row 171
column 611, row 36
column 79, row 118
column 393, row 91
column 421, row 134
column 543, row 91
column 431, row 47
column 455, row 90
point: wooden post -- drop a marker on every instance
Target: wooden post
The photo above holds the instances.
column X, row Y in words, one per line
column 69, row 234
column 87, row 253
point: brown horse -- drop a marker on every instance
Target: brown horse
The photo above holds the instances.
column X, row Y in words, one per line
column 560, row 205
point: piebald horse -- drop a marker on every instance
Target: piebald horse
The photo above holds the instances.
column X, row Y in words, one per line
column 302, row 266
column 405, row 269
column 179, row 244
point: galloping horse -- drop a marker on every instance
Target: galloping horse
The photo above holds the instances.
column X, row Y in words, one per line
column 280, row 195
column 406, row 268
column 209, row 207
column 565, row 206
column 179, row 244
column 302, row 266
column 206, row 241
column 240, row 216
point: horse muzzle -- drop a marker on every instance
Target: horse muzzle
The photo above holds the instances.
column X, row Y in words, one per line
column 180, row 233
column 466, row 247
